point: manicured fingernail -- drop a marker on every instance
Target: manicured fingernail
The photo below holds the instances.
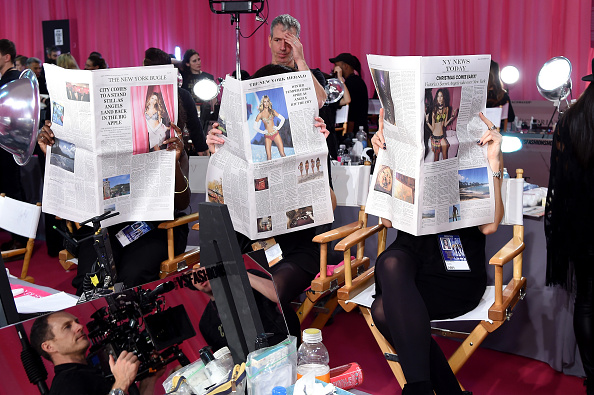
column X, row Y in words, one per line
column 478, row 141
column 384, row 144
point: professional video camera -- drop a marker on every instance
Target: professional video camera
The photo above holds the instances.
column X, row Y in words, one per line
column 135, row 320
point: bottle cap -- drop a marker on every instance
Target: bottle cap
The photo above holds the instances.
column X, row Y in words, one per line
column 221, row 352
column 312, row 335
column 279, row 391
column 206, row 355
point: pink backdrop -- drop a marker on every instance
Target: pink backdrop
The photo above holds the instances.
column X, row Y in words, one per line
column 524, row 33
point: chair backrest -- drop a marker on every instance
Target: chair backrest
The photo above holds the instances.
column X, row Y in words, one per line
column 351, row 184
column 19, row 217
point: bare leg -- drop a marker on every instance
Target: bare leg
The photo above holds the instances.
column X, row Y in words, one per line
column 279, row 144
column 436, row 154
column 268, row 146
column 444, row 147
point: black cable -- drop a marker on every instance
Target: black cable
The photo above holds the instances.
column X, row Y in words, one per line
column 265, row 21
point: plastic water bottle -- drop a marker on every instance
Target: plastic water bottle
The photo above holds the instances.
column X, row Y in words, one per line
column 216, row 373
column 357, row 151
column 505, row 173
column 345, row 159
column 341, row 151
column 362, row 136
column 312, row 356
column 224, row 358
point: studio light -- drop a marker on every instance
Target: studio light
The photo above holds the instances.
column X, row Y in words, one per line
column 554, row 79
column 177, row 53
column 510, row 144
column 510, row 75
column 206, row 89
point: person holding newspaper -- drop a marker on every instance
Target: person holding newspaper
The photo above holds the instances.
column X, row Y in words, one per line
column 301, row 256
column 413, row 286
column 139, row 262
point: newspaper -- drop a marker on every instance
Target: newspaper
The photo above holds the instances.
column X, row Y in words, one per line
column 433, row 177
column 109, row 126
column 270, row 193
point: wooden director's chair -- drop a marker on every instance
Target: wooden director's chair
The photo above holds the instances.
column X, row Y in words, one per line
column 351, row 184
column 21, row 218
column 359, row 291
column 172, row 265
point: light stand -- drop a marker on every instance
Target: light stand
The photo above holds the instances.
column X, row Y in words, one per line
column 235, row 8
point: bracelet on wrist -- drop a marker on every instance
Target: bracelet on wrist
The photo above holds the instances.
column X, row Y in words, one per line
column 186, row 188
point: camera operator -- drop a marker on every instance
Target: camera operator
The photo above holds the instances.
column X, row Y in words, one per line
column 60, row 338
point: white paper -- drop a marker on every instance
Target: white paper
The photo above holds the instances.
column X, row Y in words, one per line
column 19, row 217
column 351, row 184
column 268, row 197
column 432, row 102
column 59, row 301
column 109, row 126
column 479, row 313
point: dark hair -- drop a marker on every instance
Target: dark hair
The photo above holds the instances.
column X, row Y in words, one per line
column 54, row 48
column 22, row 59
column 495, row 84
column 271, row 69
column 446, row 101
column 41, row 332
column 7, row 48
column 96, row 54
column 187, row 55
column 155, row 56
column 98, row 61
column 580, row 119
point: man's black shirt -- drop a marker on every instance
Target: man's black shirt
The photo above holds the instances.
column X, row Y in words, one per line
column 79, row 379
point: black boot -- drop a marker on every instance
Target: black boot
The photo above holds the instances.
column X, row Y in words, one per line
column 418, row 388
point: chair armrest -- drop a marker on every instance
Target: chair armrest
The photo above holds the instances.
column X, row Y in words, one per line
column 359, row 284
column 337, row 233
column 357, row 237
column 186, row 219
column 512, row 249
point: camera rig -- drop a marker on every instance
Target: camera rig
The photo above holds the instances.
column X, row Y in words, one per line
column 137, row 321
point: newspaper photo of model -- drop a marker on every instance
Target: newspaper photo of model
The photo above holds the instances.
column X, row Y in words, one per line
column 441, row 114
column 151, row 117
column 270, row 128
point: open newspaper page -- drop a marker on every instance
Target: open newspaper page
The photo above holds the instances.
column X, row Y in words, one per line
column 433, row 177
column 272, row 170
column 109, row 153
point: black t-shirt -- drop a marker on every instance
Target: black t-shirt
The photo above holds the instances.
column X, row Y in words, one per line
column 358, row 107
column 79, row 379
column 9, row 76
column 193, row 123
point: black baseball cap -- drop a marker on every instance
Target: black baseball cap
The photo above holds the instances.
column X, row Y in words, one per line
column 349, row 59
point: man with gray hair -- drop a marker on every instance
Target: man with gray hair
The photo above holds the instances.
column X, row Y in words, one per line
column 34, row 64
column 287, row 50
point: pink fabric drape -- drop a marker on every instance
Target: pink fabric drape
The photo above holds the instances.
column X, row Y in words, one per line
column 524, row 33
column 140, row 141
column 168, row 98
